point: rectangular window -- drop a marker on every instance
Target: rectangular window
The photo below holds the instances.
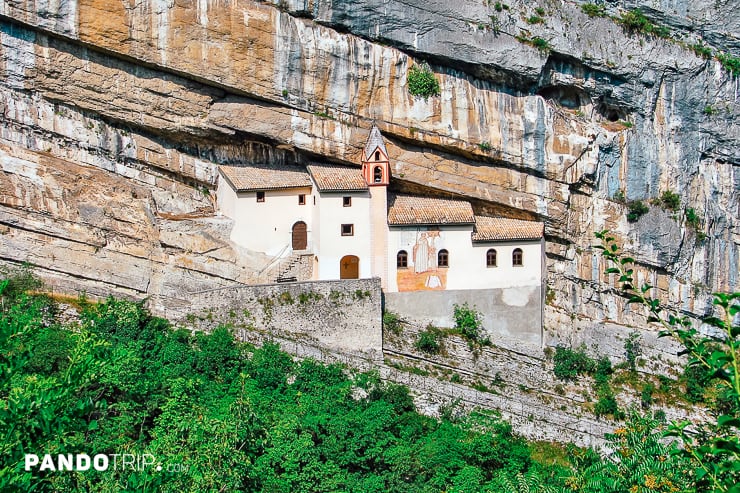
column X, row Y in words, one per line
column 347, row 201
column 260, row 196
column 302, row 199
column 348, row 229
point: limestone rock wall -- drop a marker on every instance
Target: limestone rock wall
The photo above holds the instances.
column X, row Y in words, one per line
column 145, row 99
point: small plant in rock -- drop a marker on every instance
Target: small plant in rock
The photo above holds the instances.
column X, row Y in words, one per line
column 702, row 51
column 484, row 146
column 541, row 44
column 422, row 82
column 430, row 340
column 709, row 110
column 469, row 322
column 632, row 350
column 730, row 63
column 593, row 10
column 393, row 322
column 670, row 200
column 570, row 363
column 535, row 19
column 636, row 209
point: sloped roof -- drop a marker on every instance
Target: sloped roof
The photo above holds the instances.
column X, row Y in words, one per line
column 407, row 210
column 503, row 228
column 246, row 178
column 330, row 178
column 374, row 140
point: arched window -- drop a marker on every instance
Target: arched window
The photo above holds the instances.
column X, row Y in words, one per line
column 378, row 174
column 443, row 259
column 402, row 259
column 491, row 258
column 377, row 155
column 517, row 258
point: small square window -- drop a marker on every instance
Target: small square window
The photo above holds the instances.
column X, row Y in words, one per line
column 302, row 199
column 348, row 229
column 347, row 201
column 260, row 196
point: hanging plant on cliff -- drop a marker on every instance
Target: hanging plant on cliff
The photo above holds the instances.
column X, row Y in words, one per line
column 422, row 82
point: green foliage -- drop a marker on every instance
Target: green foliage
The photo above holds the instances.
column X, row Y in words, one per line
column 646, row 395
column 498, row 7
column 670, row 200
column 430, row 340
column 569, row 364
column 606, row 405
column 540, row 43
column 635, row 21
column 535, row 19
column 485, row 146
column 540, row 11
column 636, row 209
column 692, row 218
column 730, row 63
column 593, row 10
column 632, row 350
column 393, row 322
column 709, row 110
column 702, row 50
column 239, row 418
column 469, row 322
column 422, row 82
column 639, row 461
column 712, row 447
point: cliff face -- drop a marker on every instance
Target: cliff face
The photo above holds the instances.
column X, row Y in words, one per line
column 117, row 113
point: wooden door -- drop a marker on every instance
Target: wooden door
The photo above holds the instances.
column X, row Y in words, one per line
column 300, row 236
column 349, row 267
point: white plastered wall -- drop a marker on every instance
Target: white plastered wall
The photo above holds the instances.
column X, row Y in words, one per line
column 332, row 246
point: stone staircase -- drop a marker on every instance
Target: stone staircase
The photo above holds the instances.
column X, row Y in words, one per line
column 289, row 269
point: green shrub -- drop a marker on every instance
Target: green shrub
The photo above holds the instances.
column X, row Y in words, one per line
column 430, row 340
column 636, row 209
column 540, row 43
column 422, row 82
column 646, row 396
column 632, row 349
column 692, row 218
column 607, row 405
column 469, row 322
column 484, row 146
column 730, row 63
column 670, row 200
column 570, row 363
column 702, row 51
column 635, row 21
column 534, row 19
column 393, row 322
column 603, row 371
column 498, row 7
column 593, row 10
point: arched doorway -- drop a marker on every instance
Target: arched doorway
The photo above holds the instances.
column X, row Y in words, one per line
column 300, row 236
column 349, row 267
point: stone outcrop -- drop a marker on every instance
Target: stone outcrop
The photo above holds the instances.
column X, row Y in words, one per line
column 115, row 116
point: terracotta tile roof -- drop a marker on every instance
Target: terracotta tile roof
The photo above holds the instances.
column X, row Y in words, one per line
column 406, row 209
column 330, row 178
column 373, row 141
column 244, row 178
column 502, row 229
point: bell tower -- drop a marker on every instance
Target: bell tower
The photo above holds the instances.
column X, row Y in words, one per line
column 377, row 173
column 375, row 165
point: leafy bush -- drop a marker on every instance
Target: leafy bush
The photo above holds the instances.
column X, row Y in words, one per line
column 535, row 19
column 635, row 21
column 606, row 405
column 393, row 322
column 646, row 395
column 636, row 209
column 730, row 63
column 593, row 10
column 469, row 322
column 670, row 200
column 540, row 43
column 570, row 363
column 632, row 350
column 422, row 82
column 430, row 340
column 702, row 51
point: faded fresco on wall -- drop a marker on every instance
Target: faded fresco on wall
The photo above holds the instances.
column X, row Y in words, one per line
column 422, row 271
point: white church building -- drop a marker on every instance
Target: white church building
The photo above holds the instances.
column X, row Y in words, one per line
column 342, row 223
